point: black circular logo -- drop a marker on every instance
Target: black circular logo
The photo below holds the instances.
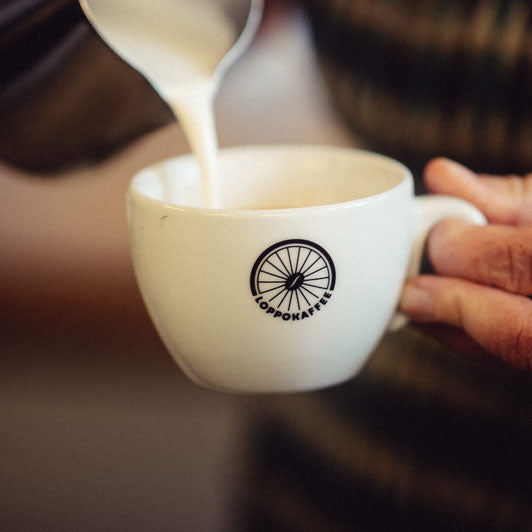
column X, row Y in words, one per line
column 293, row 279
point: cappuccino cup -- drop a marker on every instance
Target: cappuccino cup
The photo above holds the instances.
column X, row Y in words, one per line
column 290, row 285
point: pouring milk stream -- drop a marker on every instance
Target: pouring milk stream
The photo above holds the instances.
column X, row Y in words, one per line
column 183, row 48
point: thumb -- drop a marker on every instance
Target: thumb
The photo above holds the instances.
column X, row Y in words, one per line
column 498, row 321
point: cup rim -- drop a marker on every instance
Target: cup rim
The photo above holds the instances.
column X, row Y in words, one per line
column 406, row 180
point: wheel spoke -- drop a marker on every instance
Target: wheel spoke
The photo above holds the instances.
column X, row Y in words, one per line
column 281, row 261
column 315, row 271
column 304, row 272
column 277, row 295
column 311, row 293
column 278, row 269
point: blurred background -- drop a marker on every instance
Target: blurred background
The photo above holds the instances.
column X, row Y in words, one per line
column 98, row 427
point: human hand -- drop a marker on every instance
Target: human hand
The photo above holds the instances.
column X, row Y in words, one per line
column 484, row 272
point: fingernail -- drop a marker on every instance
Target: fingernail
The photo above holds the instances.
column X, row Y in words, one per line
column 417, row 303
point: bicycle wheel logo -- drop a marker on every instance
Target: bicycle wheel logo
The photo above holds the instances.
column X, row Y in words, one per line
column 293, row 279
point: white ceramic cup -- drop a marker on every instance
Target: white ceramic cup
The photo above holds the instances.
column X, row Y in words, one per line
column 293, row 282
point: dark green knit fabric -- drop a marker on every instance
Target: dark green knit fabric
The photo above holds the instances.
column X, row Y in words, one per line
column 423, row 439
column 418, row 79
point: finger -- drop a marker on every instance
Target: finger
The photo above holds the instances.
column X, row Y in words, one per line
column 505, row 200
column 495, row 255
column 454, row 338
column 498, row 321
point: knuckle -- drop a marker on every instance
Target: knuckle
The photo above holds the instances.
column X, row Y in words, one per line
column 515, row 344
column 522, row 348
column 520, row 262
column 508, row 263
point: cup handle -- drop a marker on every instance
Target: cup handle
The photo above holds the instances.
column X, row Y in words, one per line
column 429, row 211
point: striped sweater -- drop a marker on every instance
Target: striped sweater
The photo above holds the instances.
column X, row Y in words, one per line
column 422, row 78
column 422, row 439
